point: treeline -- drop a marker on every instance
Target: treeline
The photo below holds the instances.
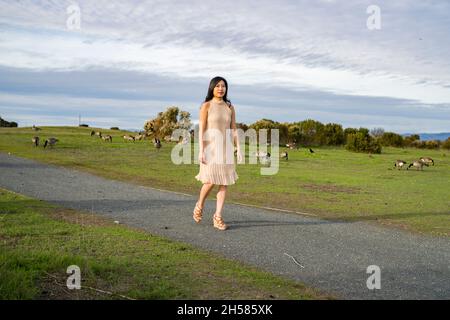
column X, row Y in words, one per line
column 4, row 123
column 314, row 133
column 307, row 133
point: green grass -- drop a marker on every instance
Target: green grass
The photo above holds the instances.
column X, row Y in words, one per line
column 332, row 183
column 38, row 241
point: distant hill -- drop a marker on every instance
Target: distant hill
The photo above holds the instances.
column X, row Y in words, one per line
column 431, row 136
column 132, row 130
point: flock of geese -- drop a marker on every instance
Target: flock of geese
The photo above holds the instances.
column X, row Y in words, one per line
column 418, row 164
column 264, row 157
column 51, row 142
column 127, row 138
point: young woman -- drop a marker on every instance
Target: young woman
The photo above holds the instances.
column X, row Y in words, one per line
column 216, row 150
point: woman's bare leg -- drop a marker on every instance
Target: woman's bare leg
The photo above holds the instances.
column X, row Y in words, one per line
column 205, row 190
column 221, row 194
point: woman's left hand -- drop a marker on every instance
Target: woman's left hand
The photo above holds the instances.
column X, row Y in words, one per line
column 239, row 156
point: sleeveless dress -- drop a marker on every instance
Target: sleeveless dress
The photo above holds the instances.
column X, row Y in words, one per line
column 218, row 147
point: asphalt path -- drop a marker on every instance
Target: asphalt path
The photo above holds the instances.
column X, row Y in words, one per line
column 330, row 255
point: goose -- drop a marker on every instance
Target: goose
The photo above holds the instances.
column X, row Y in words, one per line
column 265, row 160
column 139, row 137
column 400, row 164
column 107, row 138
column 427, row 160
column 128, row 138
column 418, row 164
column 35, row 141
column 157, row 143
column 311, row 150
column 291, row 145
column 284, row 155
column 260, row 154
column 51, row 142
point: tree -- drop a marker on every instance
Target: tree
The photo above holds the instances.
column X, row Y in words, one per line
column 308, row 132
column 362, row 141
column 264, row 124
column 242, row 126
column 411, row 140
column 294, row 133
column 4, row 123
column 446, row 144
column 348, row 131
column 284, row 132
column 331, row 134
column 166, row 122
column 391, row 139
column 377, row 132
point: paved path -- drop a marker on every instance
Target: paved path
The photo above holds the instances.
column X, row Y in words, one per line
column 334, row 255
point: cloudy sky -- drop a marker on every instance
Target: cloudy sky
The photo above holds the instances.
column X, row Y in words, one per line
column 284, row 60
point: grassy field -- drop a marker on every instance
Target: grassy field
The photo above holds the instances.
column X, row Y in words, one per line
column 38, row 241
column 331, row 183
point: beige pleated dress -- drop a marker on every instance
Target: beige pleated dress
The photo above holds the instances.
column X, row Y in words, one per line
column 220, row 166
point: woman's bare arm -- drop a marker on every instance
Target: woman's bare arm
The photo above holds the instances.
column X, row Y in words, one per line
column 233, row 127
column 202, row 124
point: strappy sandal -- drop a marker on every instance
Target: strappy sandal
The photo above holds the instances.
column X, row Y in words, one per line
column 198, row 213
column 219, row 223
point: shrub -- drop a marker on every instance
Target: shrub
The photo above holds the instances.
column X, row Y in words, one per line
column 446, row 144
column 4, row 123
column 410, row 140
column 391, row 139
column 430, row 144
column 331, row 134
column 84, row 125
column 362, row 142
column 347, row 132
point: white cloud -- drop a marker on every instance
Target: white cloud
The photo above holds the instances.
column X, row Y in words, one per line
column 298, row 45
column 57, row 52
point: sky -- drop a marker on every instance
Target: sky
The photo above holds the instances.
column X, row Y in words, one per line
column 119, row 63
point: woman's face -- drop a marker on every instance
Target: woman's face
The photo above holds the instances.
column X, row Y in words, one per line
column 220, row 89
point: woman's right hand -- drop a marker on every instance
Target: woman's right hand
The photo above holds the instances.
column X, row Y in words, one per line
column 201, row 157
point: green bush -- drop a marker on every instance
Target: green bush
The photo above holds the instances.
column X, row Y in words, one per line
column 331, row 134
column 347, row 132
column 430, row 144
column 410, row 140
column 391, row 139
column 446, row 144
column 362, row 142
column 4, row 123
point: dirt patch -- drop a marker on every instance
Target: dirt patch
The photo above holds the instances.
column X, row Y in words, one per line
column 9, row 241
column 330, row 188
column 54, row 287
column 83, row 219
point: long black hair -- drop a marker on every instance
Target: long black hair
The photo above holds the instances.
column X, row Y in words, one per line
column 212, row 84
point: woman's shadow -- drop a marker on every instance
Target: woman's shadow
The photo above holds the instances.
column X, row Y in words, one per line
column 270, row 223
